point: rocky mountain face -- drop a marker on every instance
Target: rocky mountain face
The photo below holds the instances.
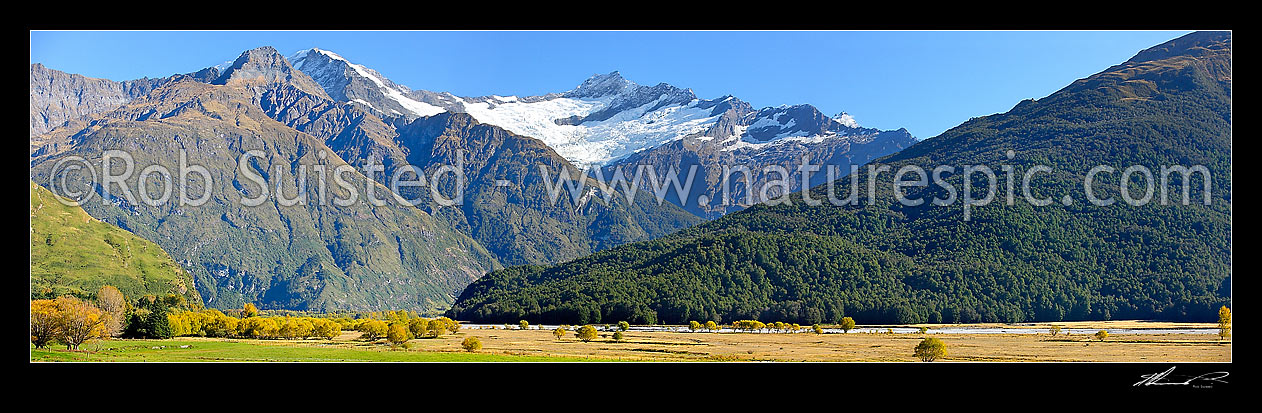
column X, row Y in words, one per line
column 307, row 254
column 748, row 157
column 265, row 67
column 507, row 206
column 58, row 97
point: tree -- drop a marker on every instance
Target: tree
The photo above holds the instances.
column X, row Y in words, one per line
column 693, row 326
column 1101, row 335
column 586, row 333
column 817, row 329
column 327, row 329
column 262, row 327
column 44, row 320
column 930, row 349
column 847, row 324
column 711, row 325
column 749, row 325
column 623, row 326
column 78, row 321
column 523, row 324
column 249, row 311
column 922, row 330
column 471, row 344
column 1224, row 323
column 450, row 325
column 373, row 329
column 1054, row 330
column 149, row 319
column 292, row 328
column 114, row 305
column 398, row 335
column 419, row 327
column 558, row 333
column 437, row 328
column 219, row 324
column 617, row 336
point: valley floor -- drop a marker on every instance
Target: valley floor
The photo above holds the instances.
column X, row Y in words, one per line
column 539, row 345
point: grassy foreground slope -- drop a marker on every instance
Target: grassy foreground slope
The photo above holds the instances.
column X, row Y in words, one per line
column 73, row 253
column 886, row 262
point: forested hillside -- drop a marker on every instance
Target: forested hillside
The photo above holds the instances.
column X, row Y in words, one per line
column 887, row 262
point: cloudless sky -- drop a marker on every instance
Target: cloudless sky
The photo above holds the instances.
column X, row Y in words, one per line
column 925, row 81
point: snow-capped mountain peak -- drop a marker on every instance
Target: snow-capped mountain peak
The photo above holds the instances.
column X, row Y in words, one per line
column 353, row 83
column 602, row 85
column 604, row 119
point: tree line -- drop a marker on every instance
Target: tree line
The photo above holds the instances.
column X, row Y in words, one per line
column 71, row 321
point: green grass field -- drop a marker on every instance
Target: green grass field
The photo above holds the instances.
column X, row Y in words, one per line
column 202, row 350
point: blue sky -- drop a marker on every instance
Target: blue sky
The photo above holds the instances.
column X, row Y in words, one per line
column 925, row 81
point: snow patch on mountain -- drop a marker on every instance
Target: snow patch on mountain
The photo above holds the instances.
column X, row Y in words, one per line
column 739, row 143
column 845, row 119
column 596, row 142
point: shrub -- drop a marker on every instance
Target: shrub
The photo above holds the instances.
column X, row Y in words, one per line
column 847, row 324
column 471, row 344
column 930, row 349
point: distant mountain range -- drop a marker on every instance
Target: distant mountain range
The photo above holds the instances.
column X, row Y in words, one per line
column 58, row 97
column 608, row 122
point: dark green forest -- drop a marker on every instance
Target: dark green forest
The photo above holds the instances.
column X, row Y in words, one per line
column 885, row 262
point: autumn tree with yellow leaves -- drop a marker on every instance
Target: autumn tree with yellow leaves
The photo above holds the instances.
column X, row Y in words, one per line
column 1224, row 323
column 398, row 335
column 78, row 321
column 43, row 322
column 586, row 333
